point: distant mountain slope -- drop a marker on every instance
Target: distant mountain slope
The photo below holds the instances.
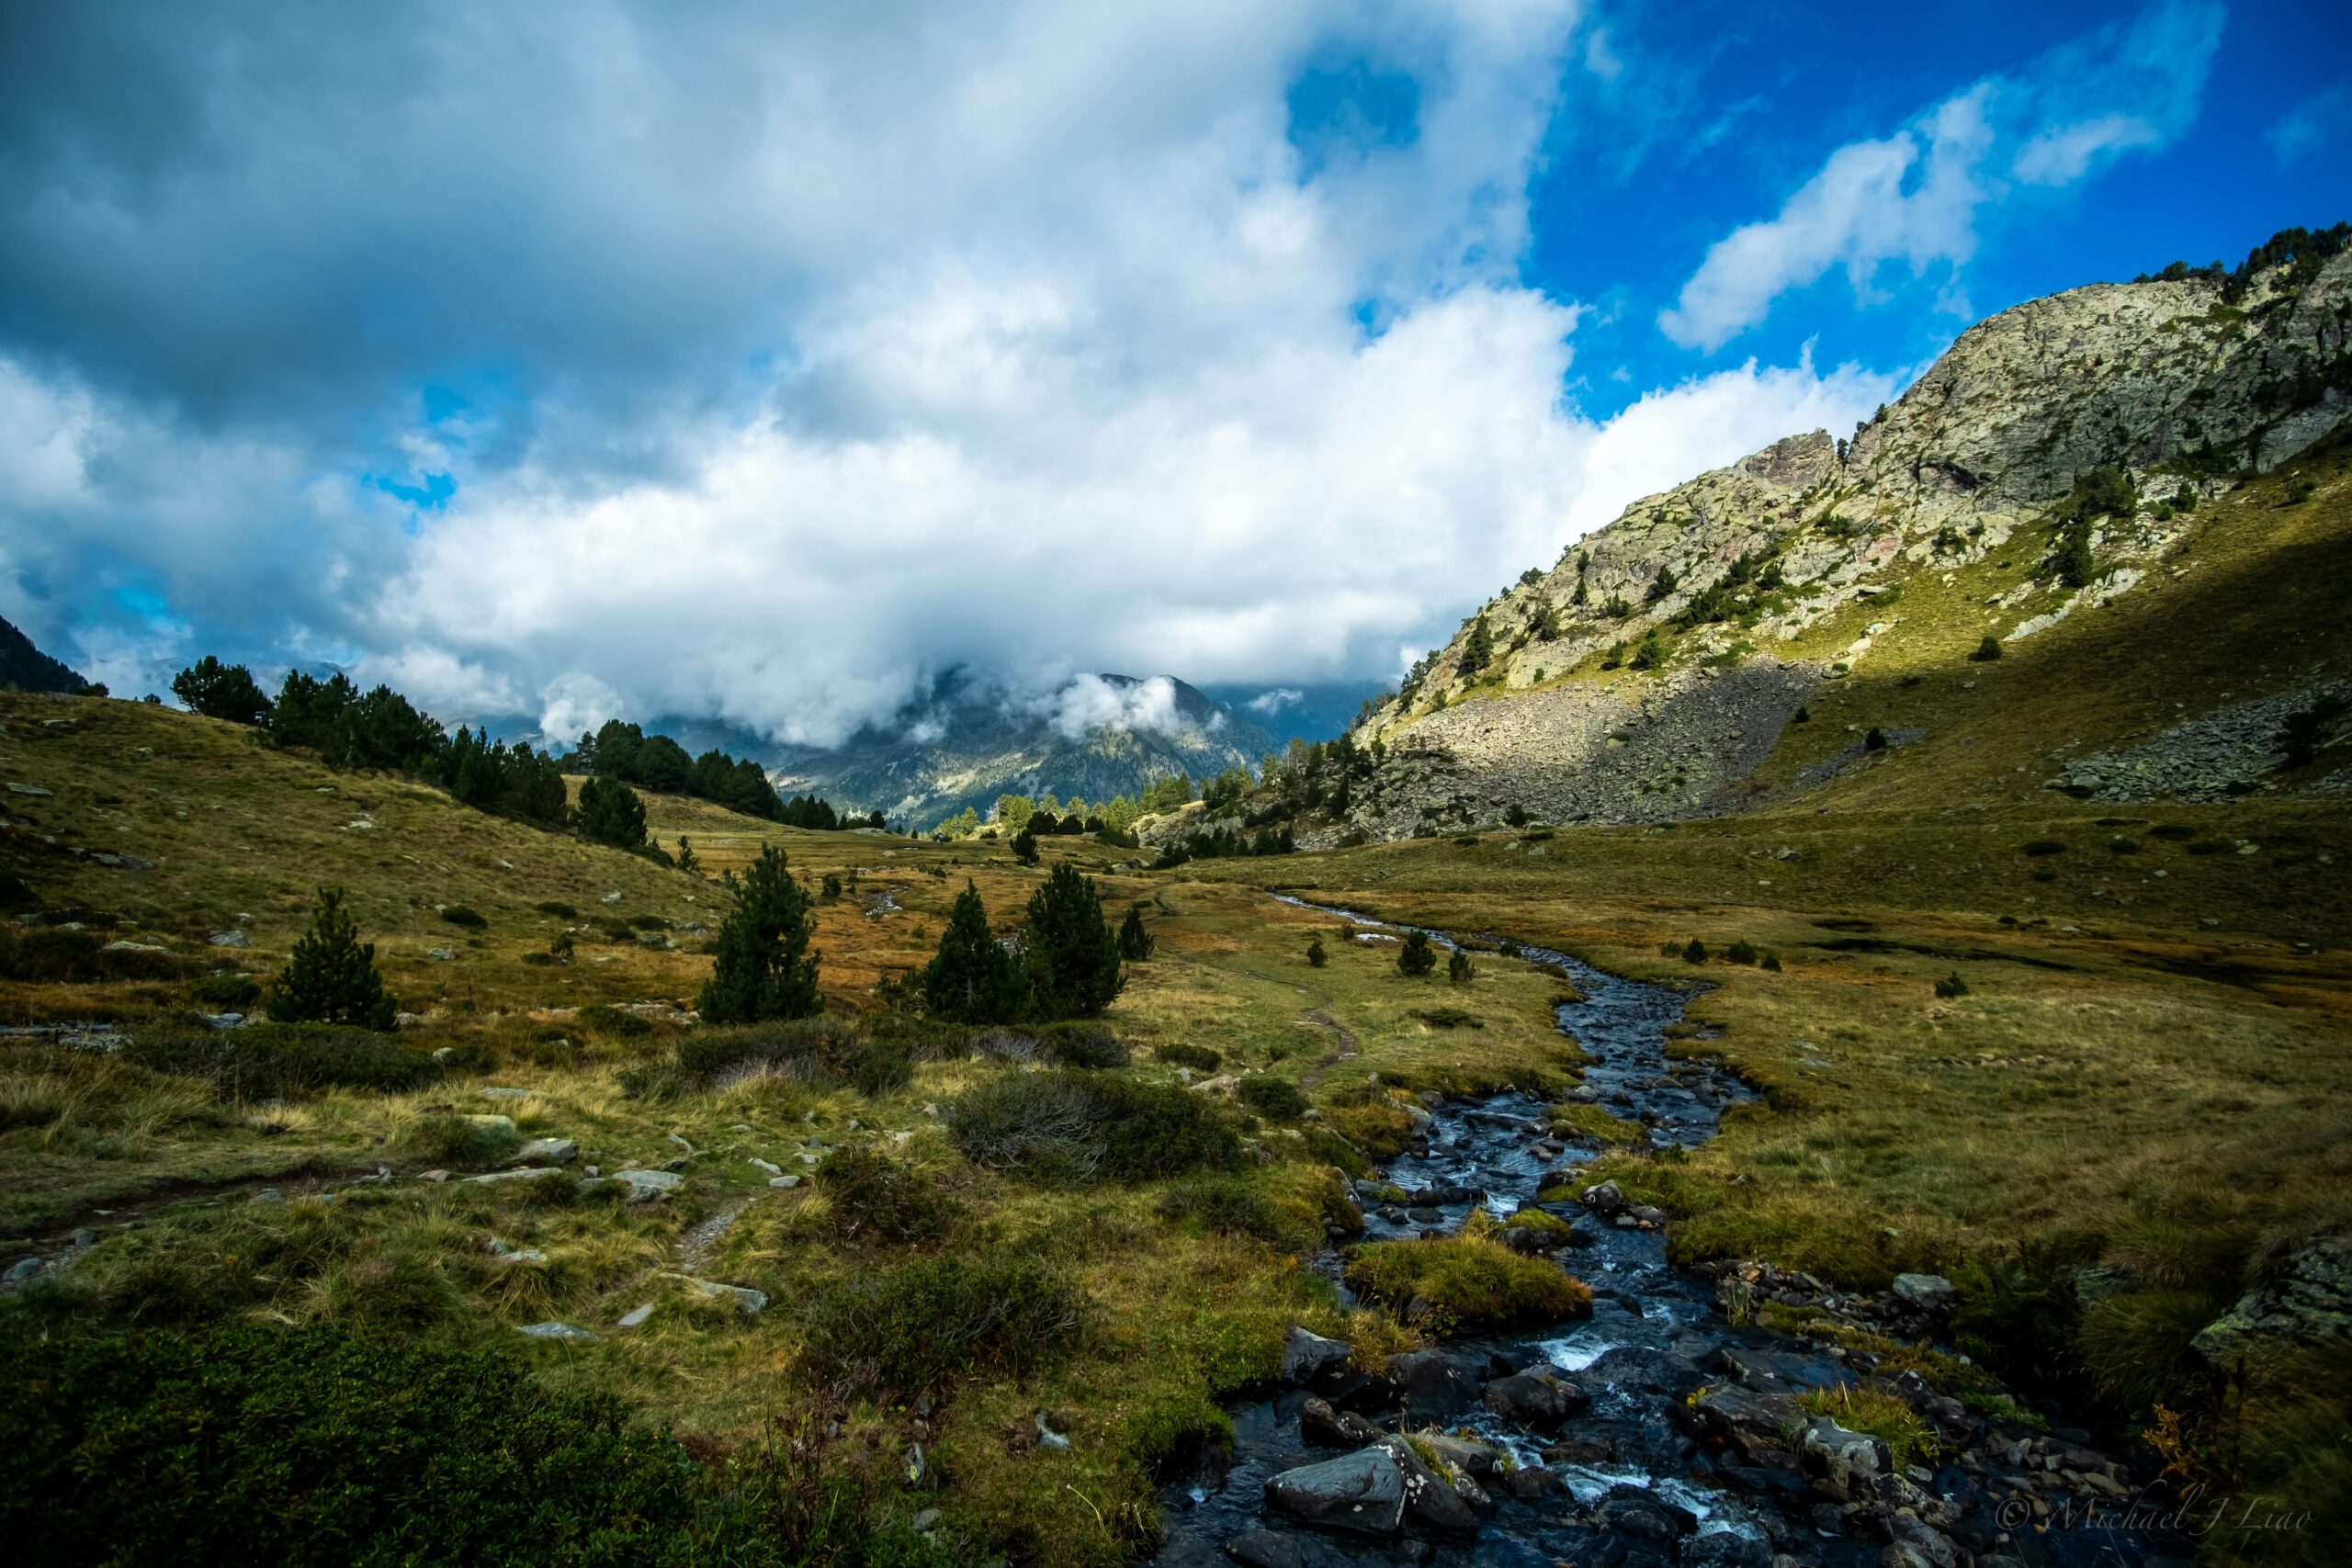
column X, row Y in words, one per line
column 1650, row 674
column 1097, row 736
column 24, row 668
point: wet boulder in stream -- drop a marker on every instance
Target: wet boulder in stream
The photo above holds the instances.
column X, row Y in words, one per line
column 1306, row 1355
column 1435, row 1383
column 1322, row 1426
column 1537, row 1402
column 1359, row 1493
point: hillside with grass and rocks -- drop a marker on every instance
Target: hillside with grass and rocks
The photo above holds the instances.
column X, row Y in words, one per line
column 2066, row 461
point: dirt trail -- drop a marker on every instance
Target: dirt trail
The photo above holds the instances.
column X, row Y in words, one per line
column 1332, row 1059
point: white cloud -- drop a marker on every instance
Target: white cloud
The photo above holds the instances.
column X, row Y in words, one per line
column 1089, row 705
column 1914, row 196
column 2313, row 123
column 1275, row 701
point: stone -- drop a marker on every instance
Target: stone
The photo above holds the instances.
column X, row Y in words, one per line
column 1320, row 1426
column 552, row 1151
column 228, row 939
column 2307, row 1303
column 1607, row 1200
column 1434, row 1382
column 635, row 1317
column 1538, row 1403
column 1359, row 1493
column 1840, row 1458
column 268, row 1195
column 528, row 1173
column 1265, row 1549
column 1535, row 1483
column 82, row 1237
column 1431, row 1501
column 926, row 1521
column 646, row 1185
column 556, row 1331
column 786, row 1181
column 1306, row 1355
column 27, row 789
column 1630, row 1511
column 1931, row 1293
column 21, row 1270
column 743, row 1296
column 773, row 1169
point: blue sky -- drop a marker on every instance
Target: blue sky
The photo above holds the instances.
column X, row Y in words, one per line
column 563, row 361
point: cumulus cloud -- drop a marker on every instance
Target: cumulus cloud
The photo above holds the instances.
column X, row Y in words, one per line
column 1089, row 705
column 1275, row 701
column 1914, row 197
column 764, row 364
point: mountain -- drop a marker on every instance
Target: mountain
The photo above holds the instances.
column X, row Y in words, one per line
column 2139, row 447
column 1093, row 737
column 23, row 668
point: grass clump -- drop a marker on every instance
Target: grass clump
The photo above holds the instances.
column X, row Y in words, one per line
column 1447, row 1018
column 1547, row 1228
column 1951, row 987
column 1229, row 1205
column 871, row 1199
column 1908, row 1437
column 1592, row 1124
column 827, row 1051
column 1463, row 1281
column 921, row 1326
column 460, row 1143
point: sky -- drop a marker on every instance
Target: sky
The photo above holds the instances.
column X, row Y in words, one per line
column 556, row 361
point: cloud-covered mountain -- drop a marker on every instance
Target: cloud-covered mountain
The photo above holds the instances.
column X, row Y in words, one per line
column 1090, row 737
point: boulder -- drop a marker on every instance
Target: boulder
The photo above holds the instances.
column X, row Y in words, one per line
column 1840, row 1458
column 1607, row 1200
column 1361, row 1494
column 1535, row 1400
column 1432, row 1502
column 528, row 1173
column 231, row 938
column 1533, row 1483
column 1630, row 1511
column 556, row 1331
column 1929, row 1294
column 549, row 1151
column 1266, row 1549
column 743, row 1296
column 646, row 1185
column 1434, row 1382
column 2306, row 1304
column 1307, row 1356
column 1319, row 1425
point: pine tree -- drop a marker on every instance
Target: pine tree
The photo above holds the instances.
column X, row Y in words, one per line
column 331, row 976
column 611, row 813
column 971, row 979
column 1024, row 847
column 1479, row 650
column 1458, row 968
column 1315, row 956
column 687, row 860
column 764, row 967
column 1988, row 650
column 1135, row 943
column 1417, row 957
column 1072, row 956
column 221, row 691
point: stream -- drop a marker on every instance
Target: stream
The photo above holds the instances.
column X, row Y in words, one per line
column 1639, row 1475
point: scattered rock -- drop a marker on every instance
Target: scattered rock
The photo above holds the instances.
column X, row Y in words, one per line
column 1434, row 1382
column 636, row 1315
column 228, row 939
column 1537, row 1402
column 1322, row 1426
column 1266, row 1549
column 556, row 1331
column 2308, row 1302
column 552, row 1151
column 743, row 1296
column 1306, row 1355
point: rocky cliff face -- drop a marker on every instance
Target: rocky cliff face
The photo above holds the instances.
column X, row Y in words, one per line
column 1650, row 670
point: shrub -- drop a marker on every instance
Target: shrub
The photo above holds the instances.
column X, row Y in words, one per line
column 1315, row 956
column 1988, row 650
column 259, row 1444
column 920, row 1325
column 764, row 968
column 1276, row 1100
column 1951, row 986
column 557, row 908
column 1024, row 847
column 1459, row 969
column 1415, row 956
column 330, row 977
column 605, row 1019
column 826, row 1051
column 1740, row 951
column 1463, row 1281
column 1199, row 1059
column 279, row 1061
column 872, row 1198
column 1694, row 952
column 459, row 1141
column 1770, row 961
column 1081, row 1045
column 2040, row 847
column 459, row 915
column 2172, row 830
column 2119, row 845
column 221, row 691
column 226, row 992
column 1448, row 1018
column 1875, row 741
column 1071, row 957
column 1065, row 1126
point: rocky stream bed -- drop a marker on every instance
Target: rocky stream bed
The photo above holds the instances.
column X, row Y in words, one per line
column 1655, row 1430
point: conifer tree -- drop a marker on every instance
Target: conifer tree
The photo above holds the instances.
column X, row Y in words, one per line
column 1135, row 943
column 1024, row 847
column 971, row 979
column 688, row 862
column 1458, row 968
column 1479, row 651
column 611, row 813
column 1417, row 957
column 765, row 968
column 221, row 691
column 331, row 976
column 1068, row 951
column 1315, row 956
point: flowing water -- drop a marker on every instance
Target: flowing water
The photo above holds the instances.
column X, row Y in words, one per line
column 1653, row 1339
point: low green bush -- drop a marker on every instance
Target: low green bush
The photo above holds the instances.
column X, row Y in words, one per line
column 828, row 1052
column 1448, row 1018
column 1740, row 951
column 559, row 909
column 279, row 1061
column 47, row 956
column 1276, row 1100
column 611, row 1021
column 1199, row 1059
column 227, row 992
column 1951, row 987
column 1228, row 1205
column 1067, row 1127
column 921, row 1325
column 1080, row 1045
column 459, row 915
column 873, row 1199
column 2039, row 847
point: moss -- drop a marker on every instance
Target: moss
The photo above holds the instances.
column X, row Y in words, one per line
column 1908, row 1437
column 1465, row 1281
